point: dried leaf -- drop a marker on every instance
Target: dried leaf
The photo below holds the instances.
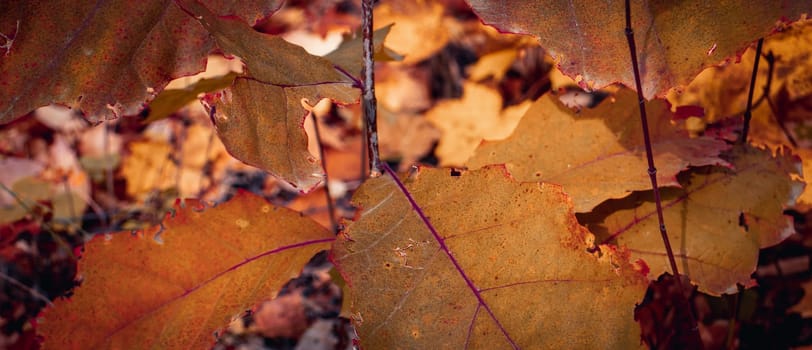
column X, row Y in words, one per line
column 349, row 55
column 170, row 100
column 675, row 40
column 583, row 151
column 420, row 28
column 494, row 64
column 260, row 118
column 103, row 58
column 466, row 122
column 722, row 92
column 507, row 265
column 262, row 125
column 209, row 266
column 716, row 224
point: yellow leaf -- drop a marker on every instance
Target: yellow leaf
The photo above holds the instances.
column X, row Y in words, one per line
column 503, row 264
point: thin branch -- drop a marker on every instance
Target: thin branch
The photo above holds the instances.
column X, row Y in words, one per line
column 767, row 87
column 369, row 102
column 333, row 222
column 109, row 181
column 748, row 113
column 652, row 171
column 35, row 293
column 57, row 238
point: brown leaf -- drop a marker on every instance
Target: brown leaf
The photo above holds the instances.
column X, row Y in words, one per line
column 675, row 40
column 209, row 266
column 349, row 55
column 716, row 223
column 103, row 58
column 583, row 151
column 261, row 124
column 260, row 117
column 503, row 263
column 170, row 100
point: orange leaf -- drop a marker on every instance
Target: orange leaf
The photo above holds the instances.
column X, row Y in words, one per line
column 260, row 118
column 212, row 265
column 477, row 116
column 502, row 263
column 675, row 40
column 584, row 151
column 104, row 58
column 716, row 224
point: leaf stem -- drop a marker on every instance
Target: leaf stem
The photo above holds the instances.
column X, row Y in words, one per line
column 652, row 171
column 748, row 114
column 333, row 222
column 369, row 102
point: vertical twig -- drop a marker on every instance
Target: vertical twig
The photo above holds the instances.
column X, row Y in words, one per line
column 108, row 179
column 652, row 171
column 333, row 222
column 368, row 92
column 748, row 114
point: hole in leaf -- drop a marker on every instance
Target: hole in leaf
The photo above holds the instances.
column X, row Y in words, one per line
column 743, row 222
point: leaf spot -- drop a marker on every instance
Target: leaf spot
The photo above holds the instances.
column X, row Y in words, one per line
column 743, row 222
column 242, row 223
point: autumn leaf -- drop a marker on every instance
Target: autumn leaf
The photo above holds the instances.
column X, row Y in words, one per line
column 205, row 267
column 466, row 122
column 597, row 154
column 675, row 40
column 170, row 100
column 716, row 223
column 260, row 117
column 420, row 28
column 722, row 92
column 349, row 55
column 502, row 264
column 103, row 58
column 261, row 125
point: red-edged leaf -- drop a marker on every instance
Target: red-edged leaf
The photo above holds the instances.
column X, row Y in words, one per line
column 103, row 58
column 675, row 39
column 209, row 266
